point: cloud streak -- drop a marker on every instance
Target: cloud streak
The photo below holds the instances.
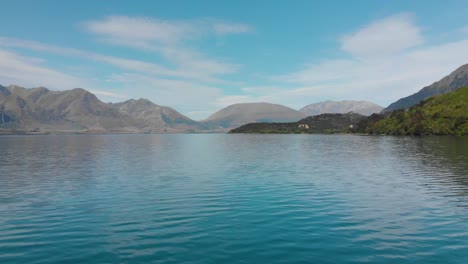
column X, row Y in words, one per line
column 384, row 37
column 29, row 71
column 202, row 70
column 169, row 39
column 386, row 61
column 144, row 29
column 141, row 29
column 187, row 97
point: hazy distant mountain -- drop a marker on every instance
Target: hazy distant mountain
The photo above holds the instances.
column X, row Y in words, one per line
column 157, row 118
column 341, row 107
column 453, row 81
column 239, row 114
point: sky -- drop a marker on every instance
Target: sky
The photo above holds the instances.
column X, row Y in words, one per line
column 200, row 56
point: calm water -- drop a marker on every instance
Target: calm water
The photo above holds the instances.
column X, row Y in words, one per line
column 233, row 199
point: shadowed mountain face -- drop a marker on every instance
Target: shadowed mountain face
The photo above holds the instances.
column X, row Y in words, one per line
column 78, row 110
column 455, row 80
column 341, row 107
column 241, row 114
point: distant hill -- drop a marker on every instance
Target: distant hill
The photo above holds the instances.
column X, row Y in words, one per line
column 156, row 118
column 439, row 115
column 341, row 107
column 323, row 123
column 455, row 80
column 239, row 114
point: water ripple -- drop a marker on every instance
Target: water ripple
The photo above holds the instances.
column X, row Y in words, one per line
column 233, row 199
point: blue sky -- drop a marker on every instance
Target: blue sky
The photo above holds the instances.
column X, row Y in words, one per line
column 200, row 56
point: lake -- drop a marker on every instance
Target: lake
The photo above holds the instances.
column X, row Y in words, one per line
column 217, row 198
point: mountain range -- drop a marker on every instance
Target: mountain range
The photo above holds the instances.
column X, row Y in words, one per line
column 41, row 110
column 445, row 114
column 78, row 110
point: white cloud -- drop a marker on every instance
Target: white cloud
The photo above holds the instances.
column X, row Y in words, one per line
column 464, row 30
column 108, row 94
column 169, row 39
column 29, row 72
column 384, row 37
column 191, row 65
column 321, row 72
column 199, row 64
column 377, row 71
column 140, row 29
column 144, row 29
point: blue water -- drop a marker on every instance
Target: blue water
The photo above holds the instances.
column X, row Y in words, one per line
column 233, row 199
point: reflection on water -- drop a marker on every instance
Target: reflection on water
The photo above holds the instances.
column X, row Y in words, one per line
column 233, row 199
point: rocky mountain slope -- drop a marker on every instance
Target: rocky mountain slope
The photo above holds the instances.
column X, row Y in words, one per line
column 78, row 110
column 73, row 110
column 239, row 114
column 341, row 107
column 451, row 82
column 156, row 118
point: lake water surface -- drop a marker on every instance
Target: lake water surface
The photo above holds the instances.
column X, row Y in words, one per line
column 215, row 198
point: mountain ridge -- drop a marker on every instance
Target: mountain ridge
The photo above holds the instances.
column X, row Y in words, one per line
column 78, row 110
column 341, row 107
column 456, row 79
column 157, row 118
column 239, row 114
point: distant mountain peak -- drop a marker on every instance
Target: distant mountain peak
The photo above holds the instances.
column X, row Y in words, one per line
column 4, row 90
column 341, row 107
column 80, row 91
column 239, row 114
